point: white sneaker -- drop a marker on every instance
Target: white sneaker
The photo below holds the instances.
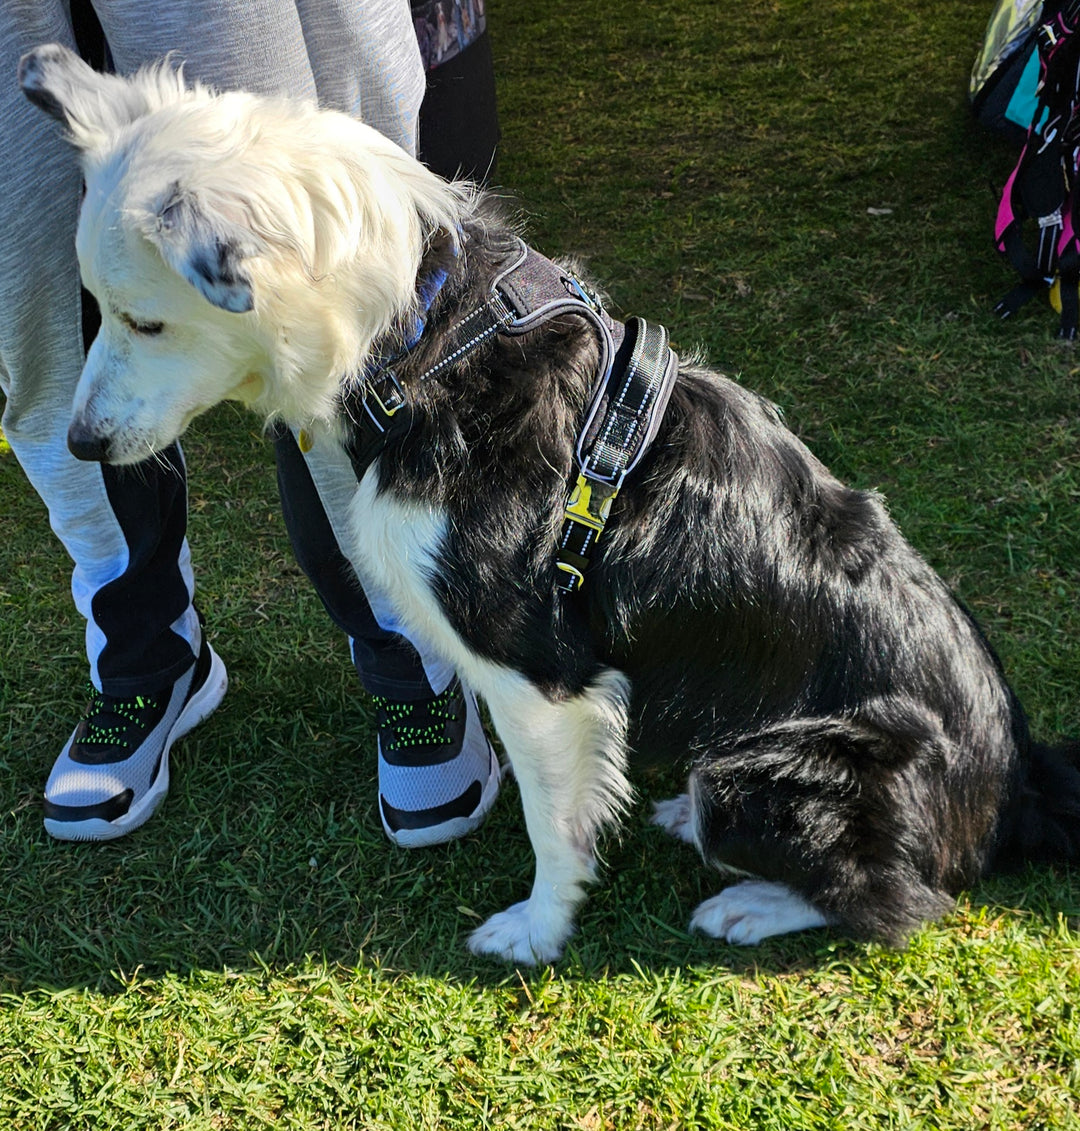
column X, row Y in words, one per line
column 438, row 775
column 114, row 770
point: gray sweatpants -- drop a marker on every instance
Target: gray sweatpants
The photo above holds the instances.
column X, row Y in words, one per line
column 124, row 530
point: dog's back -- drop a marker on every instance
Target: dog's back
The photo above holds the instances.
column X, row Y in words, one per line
column 851, row 730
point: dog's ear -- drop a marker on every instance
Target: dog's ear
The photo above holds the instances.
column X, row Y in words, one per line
column 206, row 249
column 57, row 80
column 92, row 105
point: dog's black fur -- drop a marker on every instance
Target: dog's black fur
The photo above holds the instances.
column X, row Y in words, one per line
column 849, row 727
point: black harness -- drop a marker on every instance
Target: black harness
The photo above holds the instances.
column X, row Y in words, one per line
column 636, row 372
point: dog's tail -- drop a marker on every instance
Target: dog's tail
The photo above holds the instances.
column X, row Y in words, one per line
column 1042, row 823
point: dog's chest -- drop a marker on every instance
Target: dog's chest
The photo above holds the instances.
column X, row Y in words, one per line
column 396, row 548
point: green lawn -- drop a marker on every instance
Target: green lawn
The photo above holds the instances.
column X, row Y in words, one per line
column 796, row 187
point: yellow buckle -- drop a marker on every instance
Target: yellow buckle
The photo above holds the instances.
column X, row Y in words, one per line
column 396, row 397
column 590, row 503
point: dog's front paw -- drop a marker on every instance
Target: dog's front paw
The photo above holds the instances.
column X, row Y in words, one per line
column 517, row 936
column 746, row 913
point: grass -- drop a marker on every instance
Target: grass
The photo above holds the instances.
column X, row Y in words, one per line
column 258, row 954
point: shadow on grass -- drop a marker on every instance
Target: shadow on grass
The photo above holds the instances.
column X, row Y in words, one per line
column 274, row 856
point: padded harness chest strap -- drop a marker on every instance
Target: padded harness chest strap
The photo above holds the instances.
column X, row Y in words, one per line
column 622, row 422
column 635, row 374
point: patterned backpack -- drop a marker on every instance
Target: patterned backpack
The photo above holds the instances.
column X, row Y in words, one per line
column 1038, row 220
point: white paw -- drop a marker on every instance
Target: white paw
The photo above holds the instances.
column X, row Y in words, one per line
column 746, row 913
column 676, row 817
column 517, row 936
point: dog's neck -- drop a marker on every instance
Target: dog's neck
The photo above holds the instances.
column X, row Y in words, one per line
column 496, row 287
column 427, row 340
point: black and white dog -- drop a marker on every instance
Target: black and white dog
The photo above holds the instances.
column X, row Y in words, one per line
column 851, row 741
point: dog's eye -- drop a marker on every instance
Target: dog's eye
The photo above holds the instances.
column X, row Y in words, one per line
column 146, row 329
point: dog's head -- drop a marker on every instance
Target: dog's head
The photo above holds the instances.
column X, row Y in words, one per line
column 239, row 247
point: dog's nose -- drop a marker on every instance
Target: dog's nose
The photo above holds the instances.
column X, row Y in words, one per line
column 87, row 445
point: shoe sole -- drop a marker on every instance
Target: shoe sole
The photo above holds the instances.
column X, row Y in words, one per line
column 457, row 827
column 199, row 707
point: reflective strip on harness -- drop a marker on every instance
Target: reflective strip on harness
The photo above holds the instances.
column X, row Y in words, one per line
column 626, row 411
column 636, row 372
column 622, row 422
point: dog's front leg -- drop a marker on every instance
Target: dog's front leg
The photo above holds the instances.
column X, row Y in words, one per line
column 569, row 757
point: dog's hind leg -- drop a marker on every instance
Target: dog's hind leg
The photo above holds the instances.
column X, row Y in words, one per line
column 569, row 758
column 744, row 913
column 676, row 817
column 838, row 818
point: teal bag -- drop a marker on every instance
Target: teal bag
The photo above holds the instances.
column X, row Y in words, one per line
column 1005, row 77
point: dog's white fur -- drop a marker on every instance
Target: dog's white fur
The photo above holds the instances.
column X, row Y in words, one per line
column 568, row 757
column 311, row 222
column 265, row 281
column 750, row 911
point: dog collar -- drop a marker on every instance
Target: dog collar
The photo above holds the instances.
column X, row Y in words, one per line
column 377, row 404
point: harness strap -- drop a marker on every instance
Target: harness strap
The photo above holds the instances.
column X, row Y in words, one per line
column 636, row 373
column 623, row 420
column 529, row 291
column 379, row 410
column 536, row 290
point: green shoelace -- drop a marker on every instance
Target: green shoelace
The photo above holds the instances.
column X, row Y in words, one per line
column 109, row 721
column 420, row 723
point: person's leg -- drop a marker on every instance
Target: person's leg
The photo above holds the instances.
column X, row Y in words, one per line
column 138, row 632
column 124, row 529
column 438, row 776
column 459, row 121
column 360, row 58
